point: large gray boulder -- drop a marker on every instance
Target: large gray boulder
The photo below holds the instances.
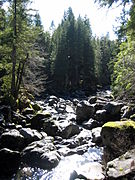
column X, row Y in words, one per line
column 12, row 140
column 30, row 135
column 38, row 120
column 50, row 127
column 91, row 170
column 63, row 128
column 9, row 162
column 113, row 110
column 90, row 124
column 84, row 111
column 118, row 137
column 96, row 135
column 122, row 167
column 68, row 129
column 84, row 137
column 92, row 99
column 101, row 116
column 41, row 154
column 52, row 100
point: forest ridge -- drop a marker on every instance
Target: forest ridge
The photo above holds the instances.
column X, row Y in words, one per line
column 66, row 59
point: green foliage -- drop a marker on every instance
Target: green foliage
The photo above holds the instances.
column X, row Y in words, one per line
column 123, row 78
column 104, row 59
column 17, row 37
column 124, row 68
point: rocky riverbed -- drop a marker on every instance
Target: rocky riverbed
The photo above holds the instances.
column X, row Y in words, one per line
column 68, row 138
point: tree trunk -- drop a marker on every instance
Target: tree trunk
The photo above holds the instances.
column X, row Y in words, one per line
column 20, row 75
column 13, row 84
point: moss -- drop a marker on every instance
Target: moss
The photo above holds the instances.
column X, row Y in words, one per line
column 120, row 124
column 45, row 114
column 36, row 107
column 121, row 169
column 132, row 116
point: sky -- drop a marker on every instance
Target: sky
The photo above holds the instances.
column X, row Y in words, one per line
column 102, row 20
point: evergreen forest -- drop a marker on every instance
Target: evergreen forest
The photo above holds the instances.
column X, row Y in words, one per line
column 67, row 58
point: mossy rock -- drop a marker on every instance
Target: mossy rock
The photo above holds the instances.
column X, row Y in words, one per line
column 27, row 111
column 44, row 114
column 119, row 136
column 36, row 107
column 120, row 124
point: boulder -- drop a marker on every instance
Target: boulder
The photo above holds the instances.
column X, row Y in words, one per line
column 61, row 108
column 69, row 109
column 28, row 110
column 113, row 107
column 54, row 97
column 91, row 170
column 75, row 102
column 113, row 110
column 68, row 129
column 90, row 124
column 96, row 135
column 9, row 162
column 52, row 100
column 36, row 106
column 119, row 137
column 84, row 137
column 92, row 99
column 101, row 116
column 30, row 135
column 12, row 140
column 17, row 117
column 38, row 120
column 127, row 111
column 41, row 154
column 70, row 143
column 122, row 167
column 84, row 111
column 50, row 127
column 65, row 151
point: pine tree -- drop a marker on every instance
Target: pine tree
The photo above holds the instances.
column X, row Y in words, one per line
column 88, row 58
column 21, row 40
column 73, row 55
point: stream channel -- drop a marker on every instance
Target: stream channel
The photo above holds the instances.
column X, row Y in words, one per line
column 68, row 168
column 82, row 160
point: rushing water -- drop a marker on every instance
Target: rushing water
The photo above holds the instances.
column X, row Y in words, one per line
column 67, row 166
